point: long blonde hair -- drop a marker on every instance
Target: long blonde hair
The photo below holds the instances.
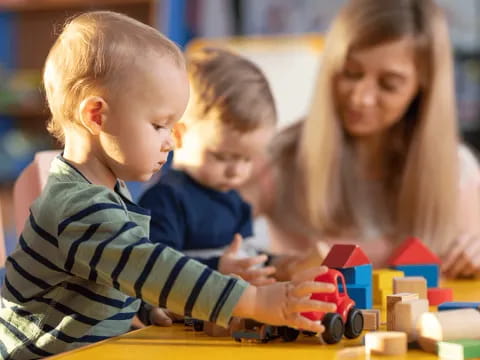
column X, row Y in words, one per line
column 425, row 175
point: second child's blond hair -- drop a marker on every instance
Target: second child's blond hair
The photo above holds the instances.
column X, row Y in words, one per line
column 229, row 88
column 96, row 54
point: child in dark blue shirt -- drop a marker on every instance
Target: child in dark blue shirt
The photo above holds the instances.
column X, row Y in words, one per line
column 229, row 121
column 196, row 219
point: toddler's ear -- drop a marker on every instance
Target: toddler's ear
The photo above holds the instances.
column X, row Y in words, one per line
column 92, row 113
column 178, row 131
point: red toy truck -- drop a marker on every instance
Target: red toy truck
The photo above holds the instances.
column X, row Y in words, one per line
column 347, row 321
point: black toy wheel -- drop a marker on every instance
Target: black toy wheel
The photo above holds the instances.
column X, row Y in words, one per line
column 197, row 325
column 354, row 325
column 333, row 328
column 287, row 333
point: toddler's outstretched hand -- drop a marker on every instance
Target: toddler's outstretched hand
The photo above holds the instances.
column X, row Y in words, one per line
column 244, row 267
column 282, row 303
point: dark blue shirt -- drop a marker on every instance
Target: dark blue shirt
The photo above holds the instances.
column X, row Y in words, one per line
column 186, row 215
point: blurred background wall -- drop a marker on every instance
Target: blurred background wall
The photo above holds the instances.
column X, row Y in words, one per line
column 29, row 27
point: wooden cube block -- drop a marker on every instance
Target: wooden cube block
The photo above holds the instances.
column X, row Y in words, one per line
column 382, row 278
column 411, row 284
column 436, row 296
column 380, row 297
column 458, row 305
column 360, row 275
column 459, row 349
column 450, row 325
column 406, row 314
column 431, row 272
column 391, row 301
column 427, row 344
column 386, row 342
column 371, row 319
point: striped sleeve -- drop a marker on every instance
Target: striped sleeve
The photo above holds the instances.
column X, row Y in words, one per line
column 101, row 243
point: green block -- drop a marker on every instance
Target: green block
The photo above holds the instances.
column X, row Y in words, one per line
column 459, row 349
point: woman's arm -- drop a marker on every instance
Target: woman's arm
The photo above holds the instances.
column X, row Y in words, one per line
column 464, row 257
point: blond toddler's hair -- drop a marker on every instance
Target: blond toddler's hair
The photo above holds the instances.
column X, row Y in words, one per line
column 97, row 53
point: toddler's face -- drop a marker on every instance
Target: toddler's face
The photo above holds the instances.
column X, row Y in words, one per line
column 221, row 157
column 137, row 140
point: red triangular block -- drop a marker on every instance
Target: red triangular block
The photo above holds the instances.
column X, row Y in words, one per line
column 343, row 256
column 436, row 296
column 412, row 251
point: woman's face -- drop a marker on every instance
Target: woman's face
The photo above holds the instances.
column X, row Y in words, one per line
column 376, row 86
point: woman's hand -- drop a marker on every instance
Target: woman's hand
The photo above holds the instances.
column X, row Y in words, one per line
column 463, row 259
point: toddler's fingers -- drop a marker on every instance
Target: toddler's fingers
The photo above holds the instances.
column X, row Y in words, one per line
column 309, row 287
column 252, row 261
column 160, row 317
column 301, row 322
column 309, row 274
column 457, row 267
column 473, row 251
column 451, row 259
column 262, row 281
column 305, row 305
column 454, row 252
column 136, row 323
column 254, row 273
column 468, row 270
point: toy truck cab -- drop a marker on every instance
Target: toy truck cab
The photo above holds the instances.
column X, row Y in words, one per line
column 347, row 320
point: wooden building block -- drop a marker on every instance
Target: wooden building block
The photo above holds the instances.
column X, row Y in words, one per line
column 413, row 251
column 361, row 294
column 382, row 278
column 371, row 319
column 450, row 325
column 431, row 272
column 360, row 275
column 411, row 284
column 450, row 305
column 391, row 301
column 345, row 255
column 459, row 349
column 437, row 296
column 379, row 297
column 406, row 314
column 427, row 344
column 386, row 342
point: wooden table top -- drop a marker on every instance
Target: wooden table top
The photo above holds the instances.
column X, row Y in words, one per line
column 179, row 342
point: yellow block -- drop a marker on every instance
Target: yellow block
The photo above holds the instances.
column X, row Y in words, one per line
column 383, row 278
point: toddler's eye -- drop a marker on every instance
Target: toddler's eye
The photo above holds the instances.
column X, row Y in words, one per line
column 157, row 127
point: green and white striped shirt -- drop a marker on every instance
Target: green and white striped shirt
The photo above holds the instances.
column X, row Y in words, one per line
column 83, row 262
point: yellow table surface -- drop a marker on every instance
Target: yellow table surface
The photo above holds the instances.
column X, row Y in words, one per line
column 178, row 342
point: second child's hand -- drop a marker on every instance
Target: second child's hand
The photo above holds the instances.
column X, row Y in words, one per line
column 245, row 267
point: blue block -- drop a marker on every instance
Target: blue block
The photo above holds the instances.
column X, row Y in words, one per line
column 458, row 305
column 361, row 294
column 431, row 272
column 360, row 275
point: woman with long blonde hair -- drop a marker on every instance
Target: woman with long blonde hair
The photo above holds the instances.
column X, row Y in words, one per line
column 378, row 157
